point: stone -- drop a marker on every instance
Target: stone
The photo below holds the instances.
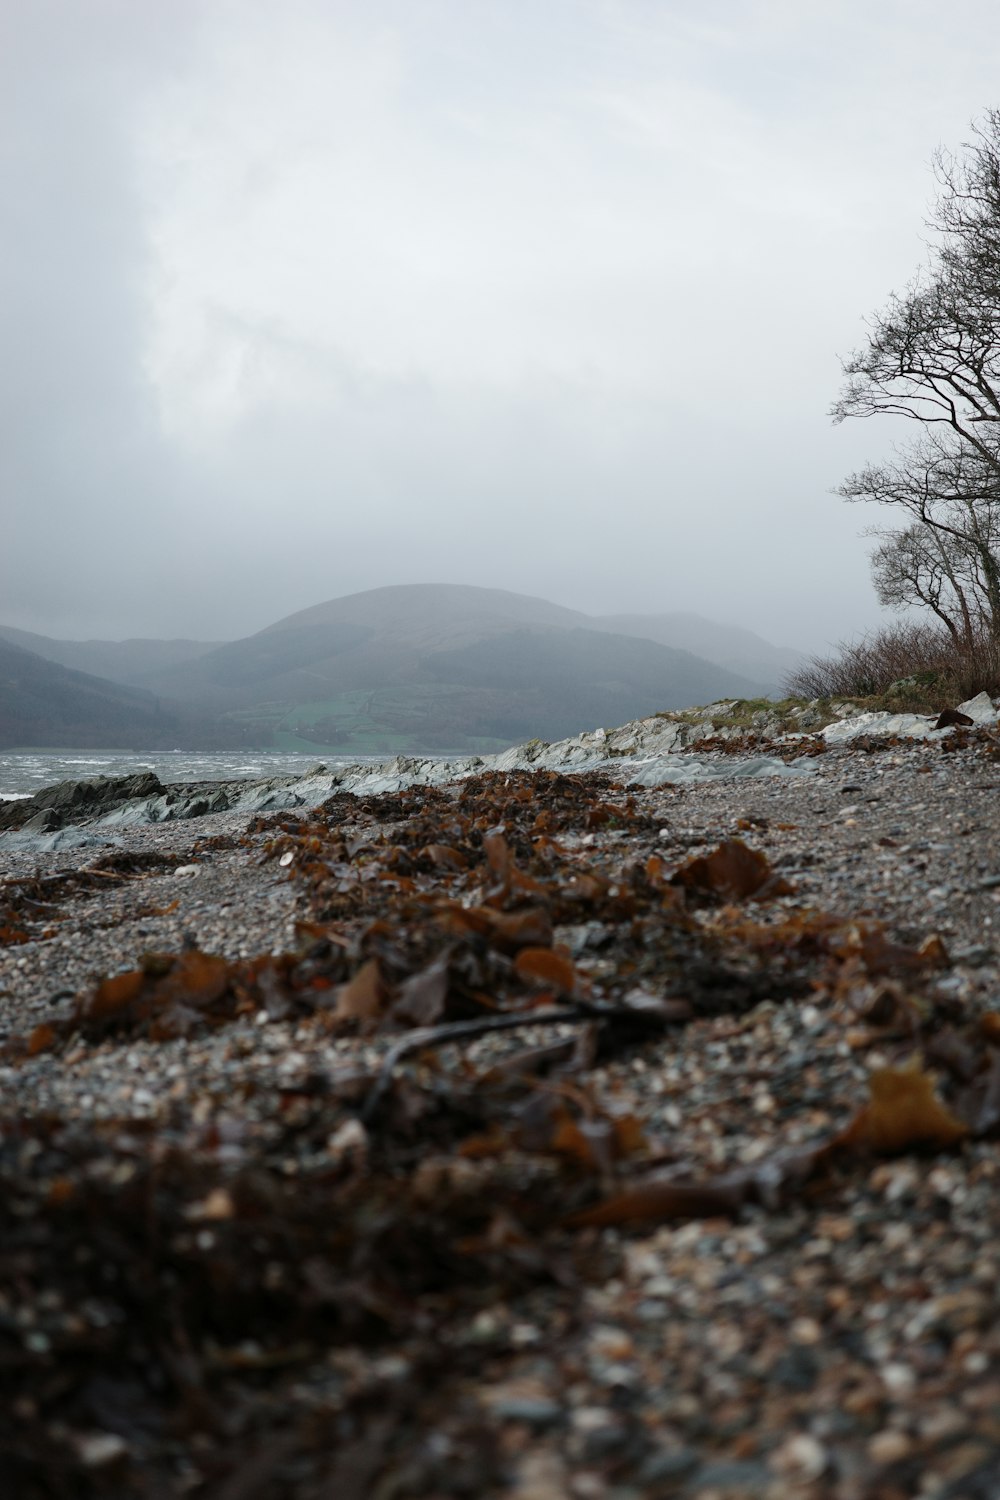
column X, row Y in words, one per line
column 641, row 753
column 979, row 709
column 906, row 726
column 533, row 1412
column 77, row 801
column 801, row 1458
column 669, row 1463
column 889, row 1447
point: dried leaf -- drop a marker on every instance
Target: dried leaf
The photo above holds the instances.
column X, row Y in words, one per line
column 422, row 997
column 445, row 856
column 903, row 1111
column 732, row 871
column 112, row 996
column 590, row 1143
column 547, row 967
column 951, row 717
column 509, row 930
column 934, row 953
column 497, row 854
column 42, row 1039
column 880, row 955
column 660, row 1199
column 989, row 1025
column 198, row 979
column 363, row 997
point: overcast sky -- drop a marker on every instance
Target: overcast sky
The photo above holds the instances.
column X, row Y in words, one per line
column 305, row 298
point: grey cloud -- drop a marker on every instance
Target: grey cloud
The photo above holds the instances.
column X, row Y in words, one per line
column 307, row 300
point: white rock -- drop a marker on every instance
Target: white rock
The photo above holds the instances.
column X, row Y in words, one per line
column 980, row 709
column 906, row 726
column 98, row 1449
column 801, row 1458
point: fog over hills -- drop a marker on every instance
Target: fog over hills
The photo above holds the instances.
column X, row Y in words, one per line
column 730, row 646
column 430, row 667
column 45, row 704
column 120, row 661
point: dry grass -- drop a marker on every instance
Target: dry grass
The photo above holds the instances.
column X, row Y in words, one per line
column 920, row 668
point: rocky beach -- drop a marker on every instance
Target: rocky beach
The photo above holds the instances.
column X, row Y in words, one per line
column 565, row 1123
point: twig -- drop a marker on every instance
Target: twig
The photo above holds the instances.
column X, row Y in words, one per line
column 457, row 1031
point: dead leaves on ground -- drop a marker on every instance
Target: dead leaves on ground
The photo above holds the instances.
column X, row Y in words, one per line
column 31, row 904
column 371, row 1202
column 903, row 1113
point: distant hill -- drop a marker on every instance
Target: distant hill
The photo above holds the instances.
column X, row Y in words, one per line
column 120, row 661
column 728, row 646
column 413, row 668
column 43, row 704
column 439, row 667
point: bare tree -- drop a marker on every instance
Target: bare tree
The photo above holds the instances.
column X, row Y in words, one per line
column 933, row 357
column 952, row 542
column 916, row 567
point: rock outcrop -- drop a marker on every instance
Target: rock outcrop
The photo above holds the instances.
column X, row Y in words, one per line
column 77, row 801
column 646, row 752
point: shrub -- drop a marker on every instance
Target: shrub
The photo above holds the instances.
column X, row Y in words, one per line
column 920, row 667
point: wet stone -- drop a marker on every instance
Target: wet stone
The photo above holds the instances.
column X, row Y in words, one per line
column 534, row 1413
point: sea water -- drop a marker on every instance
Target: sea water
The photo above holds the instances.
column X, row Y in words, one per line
column 24, row 772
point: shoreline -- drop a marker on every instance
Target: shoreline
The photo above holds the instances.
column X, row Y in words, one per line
column 731, row 1352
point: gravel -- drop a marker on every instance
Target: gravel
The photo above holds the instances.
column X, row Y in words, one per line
column 842, row 1348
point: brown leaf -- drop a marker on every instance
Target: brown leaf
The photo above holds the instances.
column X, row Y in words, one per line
column 199, row 979
column 590, row 1143
column 42, row 1039
column 934, row 953
column 509, row 930
column 732, row 871
column 112, row 996
column 903, row 1111
column 445, row 856
column 951, row 717
column 546, row 966
column 586, row 887
column 660, row 1199
column 422, row 997
column 363, row 997
column 497, row 854
column 880, row 955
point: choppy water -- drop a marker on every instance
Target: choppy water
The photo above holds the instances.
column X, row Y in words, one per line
column 26, row 772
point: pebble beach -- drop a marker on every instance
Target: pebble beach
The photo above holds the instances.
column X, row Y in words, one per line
column 839, row 1341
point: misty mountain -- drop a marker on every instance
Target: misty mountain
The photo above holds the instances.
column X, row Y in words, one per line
column 407, row 668
column 438, row 667
column 120, row 661
column 410, row 618
column 45, row 704
column 729, row 646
